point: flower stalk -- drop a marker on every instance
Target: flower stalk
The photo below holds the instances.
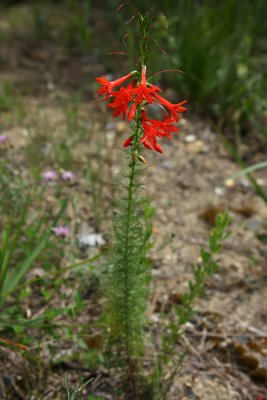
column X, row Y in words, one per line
column 126, row 278
column 127, row 275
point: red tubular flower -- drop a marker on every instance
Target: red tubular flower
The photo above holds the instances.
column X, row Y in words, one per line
column 121, row 100
column 127, row 142
column 154, row 128
column 163, row 128
column 143, row 92
column 126, row 100
column 108, row 86
column 174, row 109
column 149, row 138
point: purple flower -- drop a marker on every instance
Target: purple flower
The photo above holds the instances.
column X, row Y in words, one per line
column 49, row 176
column 62, row 231
column 68, row 176
column 3, row 138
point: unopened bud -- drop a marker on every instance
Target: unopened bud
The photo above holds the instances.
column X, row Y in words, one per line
column 142, row 159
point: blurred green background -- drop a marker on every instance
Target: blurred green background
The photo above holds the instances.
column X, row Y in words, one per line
column 220, row 47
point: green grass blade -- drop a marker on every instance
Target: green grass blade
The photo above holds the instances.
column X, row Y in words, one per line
column 249, row 169
column 13, row 279
column 4, row 259
column 233, row 153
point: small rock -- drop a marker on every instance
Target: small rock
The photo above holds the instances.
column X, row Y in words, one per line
column 229, row 183
column 121, row 127
column 110, row 138
column 167, row 164
column 190, row 138
column 90, row 240
column 220, row 191
column 260, row 181
column 25, row 132
column 197, row 147
column 50, row 86
column 254, row 225
column 244, row 182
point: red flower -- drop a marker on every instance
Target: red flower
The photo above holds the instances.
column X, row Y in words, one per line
column 153, row 129
column 143, row 92
column 162, row 128
column 121, row 100
column 107, row 86
column 126, row 100
column 127, row 142
column 149, row 138
column 174, row 109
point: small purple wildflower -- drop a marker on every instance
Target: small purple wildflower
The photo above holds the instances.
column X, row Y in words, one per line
column 68, row 176
column 3, row 138
column 49, row 176
column 62, row 231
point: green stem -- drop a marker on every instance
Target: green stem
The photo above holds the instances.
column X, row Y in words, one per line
column 130, row 363
column 130, row 216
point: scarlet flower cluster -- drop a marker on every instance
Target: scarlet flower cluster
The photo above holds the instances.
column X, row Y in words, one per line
column 126, row 100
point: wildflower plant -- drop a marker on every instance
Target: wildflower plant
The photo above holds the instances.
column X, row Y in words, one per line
column 126, row 278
